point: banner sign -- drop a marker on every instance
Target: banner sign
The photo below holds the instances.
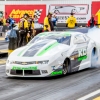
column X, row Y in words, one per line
column 81, row 11
column 17, row 11
column 95, row 9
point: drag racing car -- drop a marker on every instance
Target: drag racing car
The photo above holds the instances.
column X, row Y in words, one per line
column 51, row 54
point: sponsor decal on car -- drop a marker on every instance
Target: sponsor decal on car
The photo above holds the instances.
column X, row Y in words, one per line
column 82, row 54
column 57, row 73
column 82, row 58
column 24, row 68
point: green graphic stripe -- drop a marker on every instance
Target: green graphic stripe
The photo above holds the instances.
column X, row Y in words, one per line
column 21, row 52
column 48, row 48
column 82, row 58
column 24, row 68
column 56, row 73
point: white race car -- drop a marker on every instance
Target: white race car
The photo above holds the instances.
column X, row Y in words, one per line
column 52, row 53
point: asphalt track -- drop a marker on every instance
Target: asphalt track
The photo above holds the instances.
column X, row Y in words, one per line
column 3, row 45
column 70, row 87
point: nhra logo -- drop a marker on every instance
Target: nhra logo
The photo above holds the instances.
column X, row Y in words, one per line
column 19, row 13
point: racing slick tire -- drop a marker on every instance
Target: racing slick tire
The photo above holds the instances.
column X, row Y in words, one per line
column 94, row 58
column 66, row 66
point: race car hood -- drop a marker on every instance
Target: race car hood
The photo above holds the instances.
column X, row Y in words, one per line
column 41, row 50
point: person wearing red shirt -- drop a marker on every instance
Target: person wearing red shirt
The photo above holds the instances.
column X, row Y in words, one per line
column 91, row 22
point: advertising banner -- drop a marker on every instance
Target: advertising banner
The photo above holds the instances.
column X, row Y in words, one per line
column 95, row 9
column 17, row 11
column 81, row 11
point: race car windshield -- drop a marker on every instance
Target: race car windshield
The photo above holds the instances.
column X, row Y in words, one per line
column 59, row 38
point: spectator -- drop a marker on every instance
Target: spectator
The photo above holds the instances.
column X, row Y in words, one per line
column 91, row 22
column 1, row 22
column 4, row 21
column 48, row 25
column 35, row 19
column 54, row 20
column 23, row 30
column 30, row 27
column 8, row 20
column 71, row 22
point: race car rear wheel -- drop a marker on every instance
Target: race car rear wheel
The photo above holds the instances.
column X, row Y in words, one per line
column 65, row 67
column 94, row 58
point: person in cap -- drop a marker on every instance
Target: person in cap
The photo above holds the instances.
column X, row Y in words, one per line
column 48, row 25
column 71, row 22
column 23, row 30
column 30, row 28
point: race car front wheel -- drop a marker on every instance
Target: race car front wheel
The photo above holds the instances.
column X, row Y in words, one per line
column 65, row 67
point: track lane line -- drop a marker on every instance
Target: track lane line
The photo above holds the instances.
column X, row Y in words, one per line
column 90, row 95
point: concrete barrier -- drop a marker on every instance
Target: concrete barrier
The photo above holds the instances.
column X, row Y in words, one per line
column 2, row 55
column 64, row 24
column 77, row 29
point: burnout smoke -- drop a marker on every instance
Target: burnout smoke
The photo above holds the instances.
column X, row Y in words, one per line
column 94, row 34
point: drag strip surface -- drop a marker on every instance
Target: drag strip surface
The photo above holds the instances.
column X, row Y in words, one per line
column 3, row 45
column 69, row 87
